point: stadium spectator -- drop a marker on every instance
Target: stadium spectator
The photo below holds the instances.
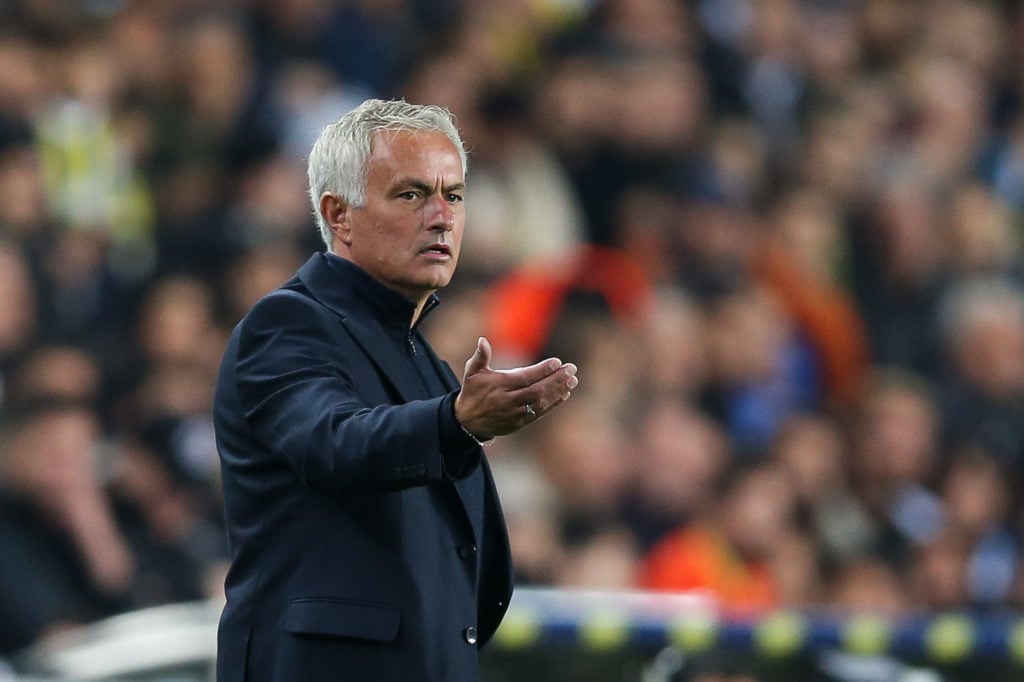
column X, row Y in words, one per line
column 785, row 235
column 734, row 549
column 982, row 320
column 65, row 561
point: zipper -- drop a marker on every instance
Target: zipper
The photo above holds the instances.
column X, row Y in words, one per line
column 431, row 304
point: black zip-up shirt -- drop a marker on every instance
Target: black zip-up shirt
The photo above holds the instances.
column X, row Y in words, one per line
column 394, row 311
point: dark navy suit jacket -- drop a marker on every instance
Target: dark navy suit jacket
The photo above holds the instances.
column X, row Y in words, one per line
column 356, row 555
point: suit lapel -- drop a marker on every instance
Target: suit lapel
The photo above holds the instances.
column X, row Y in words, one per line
column 328, row 288
column 388, row 358
column 451, row 382
column 469, row 489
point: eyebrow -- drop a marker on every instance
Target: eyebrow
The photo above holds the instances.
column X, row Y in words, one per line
column 427, row 188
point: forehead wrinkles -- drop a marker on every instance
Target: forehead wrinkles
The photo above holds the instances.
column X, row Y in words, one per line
column 403, row 150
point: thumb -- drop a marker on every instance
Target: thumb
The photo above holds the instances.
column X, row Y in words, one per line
column 481, row 357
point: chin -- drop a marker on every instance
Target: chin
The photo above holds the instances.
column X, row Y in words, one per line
column 441, row 283
column 439, row 280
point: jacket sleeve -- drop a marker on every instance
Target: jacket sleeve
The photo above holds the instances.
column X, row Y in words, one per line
column 296, row 387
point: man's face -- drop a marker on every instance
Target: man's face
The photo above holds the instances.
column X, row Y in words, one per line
column 408, row 233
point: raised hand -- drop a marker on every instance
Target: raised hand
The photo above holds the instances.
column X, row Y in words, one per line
column 496, row 402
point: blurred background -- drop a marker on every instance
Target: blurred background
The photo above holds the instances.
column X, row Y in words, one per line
column 781, row 239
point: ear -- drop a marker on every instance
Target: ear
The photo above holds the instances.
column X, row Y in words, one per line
column 336, row 212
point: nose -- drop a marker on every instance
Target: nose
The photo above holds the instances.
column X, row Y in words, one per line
column 441, row 215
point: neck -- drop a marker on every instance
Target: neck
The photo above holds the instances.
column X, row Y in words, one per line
column 419, row 298
column 419, row 310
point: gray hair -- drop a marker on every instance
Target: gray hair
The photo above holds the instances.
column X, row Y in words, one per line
column 338, row 160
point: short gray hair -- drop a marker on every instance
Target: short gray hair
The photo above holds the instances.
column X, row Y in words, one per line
column 338, row 160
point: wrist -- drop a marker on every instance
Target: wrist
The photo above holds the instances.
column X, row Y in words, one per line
column 482, row 441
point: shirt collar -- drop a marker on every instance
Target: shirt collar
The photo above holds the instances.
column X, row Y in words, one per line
column 388, row 306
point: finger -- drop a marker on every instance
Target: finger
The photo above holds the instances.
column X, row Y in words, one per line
column 550, row 401
column 547, row 389
column 481, row 357
column 561, row 400
column 522, row 377
column 555, row 404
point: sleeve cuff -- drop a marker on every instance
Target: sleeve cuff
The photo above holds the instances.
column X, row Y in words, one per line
column 460, row 452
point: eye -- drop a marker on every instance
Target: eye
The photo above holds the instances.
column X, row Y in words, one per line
column 455, row 198
column 409, row 195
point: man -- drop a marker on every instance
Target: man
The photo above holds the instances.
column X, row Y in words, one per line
column 367, row 539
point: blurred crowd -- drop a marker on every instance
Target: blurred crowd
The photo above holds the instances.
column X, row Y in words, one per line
column 780, row 238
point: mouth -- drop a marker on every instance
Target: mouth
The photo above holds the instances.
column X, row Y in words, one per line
column 437, row 251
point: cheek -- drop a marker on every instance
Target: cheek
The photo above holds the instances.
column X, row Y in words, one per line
column 387, row 240
column 458, row 231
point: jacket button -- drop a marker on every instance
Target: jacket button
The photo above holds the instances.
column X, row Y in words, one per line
column 469, row 634
column 467, row 551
